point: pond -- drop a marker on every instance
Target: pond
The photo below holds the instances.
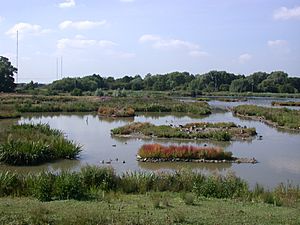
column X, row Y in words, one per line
column 278, row 152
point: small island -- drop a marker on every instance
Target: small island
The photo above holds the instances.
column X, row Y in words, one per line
column 159, row 153
column 201, row 130
column 283, row 118
column 116, row 112
column 29, row 144
column 289, row 103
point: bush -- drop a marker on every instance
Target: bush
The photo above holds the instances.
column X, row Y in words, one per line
column 76, row 92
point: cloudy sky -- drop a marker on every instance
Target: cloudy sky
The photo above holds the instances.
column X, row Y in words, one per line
column 129, row 37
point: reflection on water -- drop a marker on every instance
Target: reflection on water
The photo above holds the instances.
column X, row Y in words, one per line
column 56, row 166
column 278, row 152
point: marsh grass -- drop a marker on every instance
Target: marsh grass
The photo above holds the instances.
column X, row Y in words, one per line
column 29, row 144
column 157, row 151
column 140, row 103
column 283, row 117
column 218, row 131
column 289, row 103
column 87, row 184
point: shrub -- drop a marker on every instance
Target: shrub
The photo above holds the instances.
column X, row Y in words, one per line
column 188, row 198
column 76, row 92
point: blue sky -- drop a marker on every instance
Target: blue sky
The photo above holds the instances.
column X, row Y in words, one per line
column 129, row 37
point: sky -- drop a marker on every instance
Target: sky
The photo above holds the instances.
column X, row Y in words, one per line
column 130, row 37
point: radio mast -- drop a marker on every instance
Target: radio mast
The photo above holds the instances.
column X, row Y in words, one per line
column 17, row 58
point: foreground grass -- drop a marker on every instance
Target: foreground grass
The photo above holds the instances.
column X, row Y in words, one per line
column 283, row 117
column 151, row 208
column 29, row 144
column 212, row 131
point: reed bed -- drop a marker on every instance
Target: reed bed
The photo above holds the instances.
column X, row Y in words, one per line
column 29, row 144
column 218, row 131
column 280, row 117
column 157, row 151
column 39, row 103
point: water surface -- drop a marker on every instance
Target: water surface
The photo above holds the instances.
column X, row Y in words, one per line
column 278, row 152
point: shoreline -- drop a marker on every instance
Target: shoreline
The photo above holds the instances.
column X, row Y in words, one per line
column 141, row 136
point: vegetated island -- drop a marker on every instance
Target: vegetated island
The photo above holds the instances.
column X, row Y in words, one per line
column 159, row 153
column 231, row 99
column 202, row 130
column 29, row 144
column 278, row 117
column 116, row 112
column 28, row 103
column 289, row 103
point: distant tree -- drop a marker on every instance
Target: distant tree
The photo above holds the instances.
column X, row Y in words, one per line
column 137, row 83
column 76, row 92
column 31, row 85
column 240, row 85
column 7, row 71
column 273, row 82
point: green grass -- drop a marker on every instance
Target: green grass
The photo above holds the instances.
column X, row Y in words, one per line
column 281, row 117
column 213, row 131
column 29, row 144
column 154, row 208
column 142, row 103
column 91, row 182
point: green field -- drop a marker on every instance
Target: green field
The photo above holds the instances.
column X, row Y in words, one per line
column 151, row 208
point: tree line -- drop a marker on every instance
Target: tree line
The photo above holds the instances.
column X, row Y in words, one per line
column 213, row 81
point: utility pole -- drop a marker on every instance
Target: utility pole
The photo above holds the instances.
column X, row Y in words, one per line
column 61, row 66
column 17, row 58
column 56, row 68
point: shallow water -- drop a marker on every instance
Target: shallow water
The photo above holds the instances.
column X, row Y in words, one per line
column 278, row 152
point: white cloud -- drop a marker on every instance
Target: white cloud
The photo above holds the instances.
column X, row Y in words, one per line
column 161, row 43
column 81, row 25
column 277, row 43
column 67, row 4
column 279, row 46
column 127, row 0
column 81, row 42
column 243, row 58
column 25, row 29
column 149, row 37
column 197, row 53
column 120, row 54
column 284, row 13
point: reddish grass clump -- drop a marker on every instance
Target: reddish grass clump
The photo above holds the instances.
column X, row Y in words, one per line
column 157, row 151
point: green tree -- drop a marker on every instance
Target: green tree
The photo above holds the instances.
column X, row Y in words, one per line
column 7, row 71
column 240, row 85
